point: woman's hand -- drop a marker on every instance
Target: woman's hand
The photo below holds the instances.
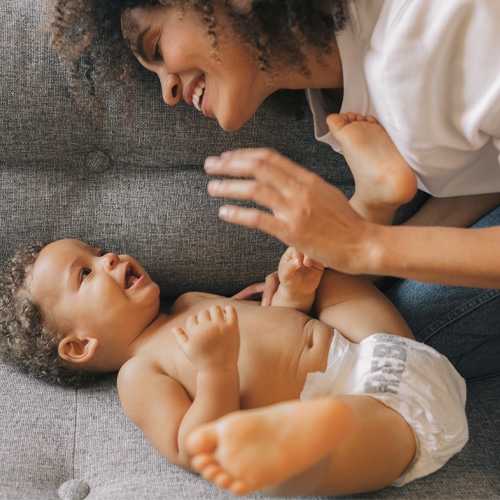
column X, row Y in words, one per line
column 315, row 217
column 306, row 211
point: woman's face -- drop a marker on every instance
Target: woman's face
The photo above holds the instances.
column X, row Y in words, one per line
column 223, row 81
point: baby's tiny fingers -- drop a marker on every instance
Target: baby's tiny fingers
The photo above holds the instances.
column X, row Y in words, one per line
column 230, row 314
column 204, row 315
column 180, row 334
column 216, row 313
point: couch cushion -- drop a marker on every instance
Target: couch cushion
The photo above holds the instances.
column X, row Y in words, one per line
column 79, row 444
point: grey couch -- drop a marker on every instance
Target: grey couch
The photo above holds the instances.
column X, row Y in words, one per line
column 138, row 187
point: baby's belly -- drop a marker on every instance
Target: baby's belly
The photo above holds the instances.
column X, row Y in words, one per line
column 279, row 374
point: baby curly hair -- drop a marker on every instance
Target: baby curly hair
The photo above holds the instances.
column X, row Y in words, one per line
column 25, row 341
column 87, row 34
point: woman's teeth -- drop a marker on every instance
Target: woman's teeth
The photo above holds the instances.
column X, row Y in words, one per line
column 197, row 94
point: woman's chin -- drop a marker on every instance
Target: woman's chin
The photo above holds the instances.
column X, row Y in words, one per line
column 232, row 124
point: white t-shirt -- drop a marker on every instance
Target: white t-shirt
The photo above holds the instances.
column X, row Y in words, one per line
column 429, row 71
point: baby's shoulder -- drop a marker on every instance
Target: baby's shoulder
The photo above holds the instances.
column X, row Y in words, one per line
column 187, row 299
column 138, row 380
column 134, row 373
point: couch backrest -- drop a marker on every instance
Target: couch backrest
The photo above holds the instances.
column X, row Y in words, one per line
column 134, row 186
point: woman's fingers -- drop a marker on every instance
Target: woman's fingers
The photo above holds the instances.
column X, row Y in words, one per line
column 304, row 210
column 254, row 218
column 247, row 190
column 270, row 180
column 266, row 166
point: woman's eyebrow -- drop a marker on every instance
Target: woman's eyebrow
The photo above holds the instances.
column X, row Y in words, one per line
column 139, row 46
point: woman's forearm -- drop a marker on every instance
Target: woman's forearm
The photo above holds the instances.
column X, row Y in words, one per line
column 457, row 211
column 449, row 256
column 439, row 250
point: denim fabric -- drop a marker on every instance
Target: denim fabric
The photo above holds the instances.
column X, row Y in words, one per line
column 462, row 323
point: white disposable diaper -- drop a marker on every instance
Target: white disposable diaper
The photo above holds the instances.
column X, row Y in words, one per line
column 408, row 376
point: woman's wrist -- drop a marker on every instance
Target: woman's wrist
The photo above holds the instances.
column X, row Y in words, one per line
column 369, row 254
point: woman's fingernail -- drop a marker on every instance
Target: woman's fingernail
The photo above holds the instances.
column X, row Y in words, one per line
column 214, row 188
column 224, row 212
column 211, row 161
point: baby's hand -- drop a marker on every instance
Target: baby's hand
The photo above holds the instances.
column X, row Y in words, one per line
column 211, row 338
column 299, row 274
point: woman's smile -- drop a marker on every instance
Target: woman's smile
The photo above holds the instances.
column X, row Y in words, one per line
column 177, row 46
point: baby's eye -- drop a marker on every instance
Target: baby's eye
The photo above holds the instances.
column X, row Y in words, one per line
column 84, row 273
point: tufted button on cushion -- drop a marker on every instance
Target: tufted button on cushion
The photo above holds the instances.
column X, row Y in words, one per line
column 97, row 161
column 75, row 489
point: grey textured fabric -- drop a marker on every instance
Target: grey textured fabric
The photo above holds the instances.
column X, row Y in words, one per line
column 76, row 444
column 138, row 186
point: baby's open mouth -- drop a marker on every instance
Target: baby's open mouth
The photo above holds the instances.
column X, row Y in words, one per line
column 198, row 94
column 130, row 277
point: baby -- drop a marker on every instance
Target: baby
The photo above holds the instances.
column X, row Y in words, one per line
column 339, row 402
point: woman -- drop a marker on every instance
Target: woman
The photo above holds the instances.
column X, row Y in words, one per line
column 423, row 69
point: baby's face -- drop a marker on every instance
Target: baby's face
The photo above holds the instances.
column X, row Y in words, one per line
column 86, row 291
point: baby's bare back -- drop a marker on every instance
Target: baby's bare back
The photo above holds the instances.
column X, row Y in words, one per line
column 279, row 346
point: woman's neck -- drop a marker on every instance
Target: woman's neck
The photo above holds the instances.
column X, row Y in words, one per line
column 325, row 72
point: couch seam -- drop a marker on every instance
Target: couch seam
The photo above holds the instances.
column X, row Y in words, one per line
column 75, row 433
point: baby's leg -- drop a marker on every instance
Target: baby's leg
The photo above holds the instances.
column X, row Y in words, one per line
column 257, row 449
column 383, row 179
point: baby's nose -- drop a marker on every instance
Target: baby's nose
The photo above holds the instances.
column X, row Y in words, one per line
column 111, row 260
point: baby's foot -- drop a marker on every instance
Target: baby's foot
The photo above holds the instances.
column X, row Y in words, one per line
column 383, row 179
column 256, row 449
column 299, row 272
column 299, row 278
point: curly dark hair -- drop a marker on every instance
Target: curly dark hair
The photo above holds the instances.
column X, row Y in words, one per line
column 87, row 34
column 25, row 341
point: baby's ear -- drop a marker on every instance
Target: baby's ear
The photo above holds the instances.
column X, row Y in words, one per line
column 77, row 350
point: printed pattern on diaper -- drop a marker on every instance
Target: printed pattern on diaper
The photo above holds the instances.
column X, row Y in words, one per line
column 388, row 365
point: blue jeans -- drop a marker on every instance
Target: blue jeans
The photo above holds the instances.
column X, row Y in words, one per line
column 461, row 323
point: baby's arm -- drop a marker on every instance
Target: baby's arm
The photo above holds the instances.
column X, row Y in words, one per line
column 356, row 308
column 162, row 408
column 299, row 278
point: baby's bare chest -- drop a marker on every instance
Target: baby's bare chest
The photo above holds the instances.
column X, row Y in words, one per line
column 278, row 347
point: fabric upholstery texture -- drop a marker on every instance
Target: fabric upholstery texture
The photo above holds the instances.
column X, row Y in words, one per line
column 137, row 186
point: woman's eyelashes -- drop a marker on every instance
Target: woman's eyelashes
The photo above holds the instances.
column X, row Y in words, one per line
column 156, row 52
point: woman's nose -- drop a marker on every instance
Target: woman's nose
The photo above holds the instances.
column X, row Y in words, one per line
column 170, row 88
